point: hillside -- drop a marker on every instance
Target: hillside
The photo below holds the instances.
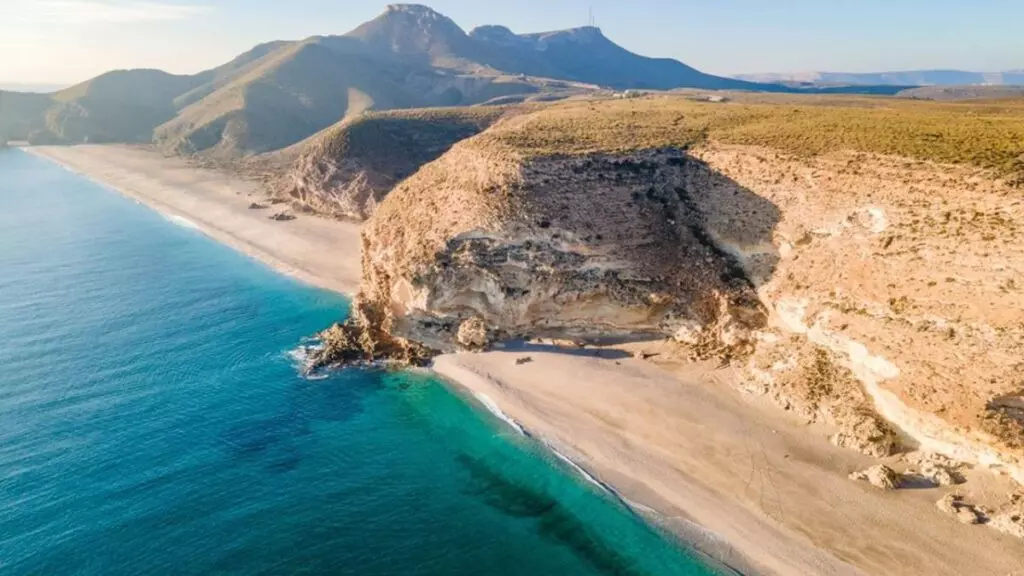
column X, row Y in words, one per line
column 280, row 93
column 347, row 169
column 119, row 106
column 21, row 115
column 292, row 93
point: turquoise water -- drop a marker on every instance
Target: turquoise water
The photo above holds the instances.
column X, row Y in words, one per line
column 152, row 422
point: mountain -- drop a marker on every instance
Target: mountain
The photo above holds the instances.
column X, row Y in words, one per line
column 282, row 92
column 905, row 78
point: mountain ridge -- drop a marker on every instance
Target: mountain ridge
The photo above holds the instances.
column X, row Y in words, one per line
column 281, row 92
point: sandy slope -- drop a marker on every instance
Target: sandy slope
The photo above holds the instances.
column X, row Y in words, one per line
column 772, row 493
column 321, row 252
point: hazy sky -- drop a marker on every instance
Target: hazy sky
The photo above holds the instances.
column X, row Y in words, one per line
column 64, row 41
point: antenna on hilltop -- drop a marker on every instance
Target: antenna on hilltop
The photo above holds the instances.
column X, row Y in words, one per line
column 591, row 21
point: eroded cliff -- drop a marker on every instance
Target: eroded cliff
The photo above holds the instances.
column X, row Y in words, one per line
column 906, row 273
column 583, row 246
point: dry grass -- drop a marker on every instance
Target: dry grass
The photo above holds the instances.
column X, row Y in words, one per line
column 986, row 134
column 399, row 132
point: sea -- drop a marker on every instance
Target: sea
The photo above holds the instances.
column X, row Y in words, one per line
column 153, row 421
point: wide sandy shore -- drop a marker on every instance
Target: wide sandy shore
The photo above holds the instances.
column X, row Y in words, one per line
column 321, row 252
column 741, row 481
column 770, row 494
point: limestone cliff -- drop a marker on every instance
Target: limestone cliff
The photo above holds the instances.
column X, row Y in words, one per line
column 905, row 275
column 583, row 246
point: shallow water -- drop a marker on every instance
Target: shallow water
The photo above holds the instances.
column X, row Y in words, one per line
column 152, row 422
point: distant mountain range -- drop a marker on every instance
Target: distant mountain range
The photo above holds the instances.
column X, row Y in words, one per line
column 906, row 78
column 281, row 92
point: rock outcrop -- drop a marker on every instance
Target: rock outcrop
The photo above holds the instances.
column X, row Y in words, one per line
column 880, row 476
column 935, row 469
column 582, row 246
column 955, row 506
column 366, row 339
column 1009, row 518
column 472, row 334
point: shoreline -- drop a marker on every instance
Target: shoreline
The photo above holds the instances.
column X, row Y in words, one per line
column 743, row 483
column 704, row 544
column 147, row 182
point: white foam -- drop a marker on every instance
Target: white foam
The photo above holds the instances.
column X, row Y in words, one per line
column 300, row 356
column 181, row 221
column 579, row 469
column 492, row 407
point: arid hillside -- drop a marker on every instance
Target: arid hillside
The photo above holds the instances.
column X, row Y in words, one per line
column 344, row 171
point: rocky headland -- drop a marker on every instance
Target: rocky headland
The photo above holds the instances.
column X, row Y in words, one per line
column 868, row 286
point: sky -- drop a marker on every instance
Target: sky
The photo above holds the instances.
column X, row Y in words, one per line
column 66, row 41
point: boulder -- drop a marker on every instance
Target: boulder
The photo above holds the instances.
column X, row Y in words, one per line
column 472, row 334
column 880, row 476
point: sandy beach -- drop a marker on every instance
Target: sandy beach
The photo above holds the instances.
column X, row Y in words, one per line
column 324, row 253
column 770, row 493
column 741, row 480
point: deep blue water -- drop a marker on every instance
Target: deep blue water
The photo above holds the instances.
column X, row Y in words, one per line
column 151, row 422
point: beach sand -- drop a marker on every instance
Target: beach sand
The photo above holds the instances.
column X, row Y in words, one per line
column 770, row 493
column 740, row 480
column 321, row 252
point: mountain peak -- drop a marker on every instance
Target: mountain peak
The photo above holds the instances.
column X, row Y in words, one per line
column 413, row 30
column 416, row 10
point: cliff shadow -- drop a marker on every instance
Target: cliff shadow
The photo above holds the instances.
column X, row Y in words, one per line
column 524, row 347
column 730, row 219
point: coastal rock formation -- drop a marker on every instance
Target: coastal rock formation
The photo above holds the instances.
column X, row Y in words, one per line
column 472, row 334
column 365, row 338
column 874, row 293
column 936, row 469
column 582, row 246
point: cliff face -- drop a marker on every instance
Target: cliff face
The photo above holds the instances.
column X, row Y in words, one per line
column 591, row 246
column 906, row 276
